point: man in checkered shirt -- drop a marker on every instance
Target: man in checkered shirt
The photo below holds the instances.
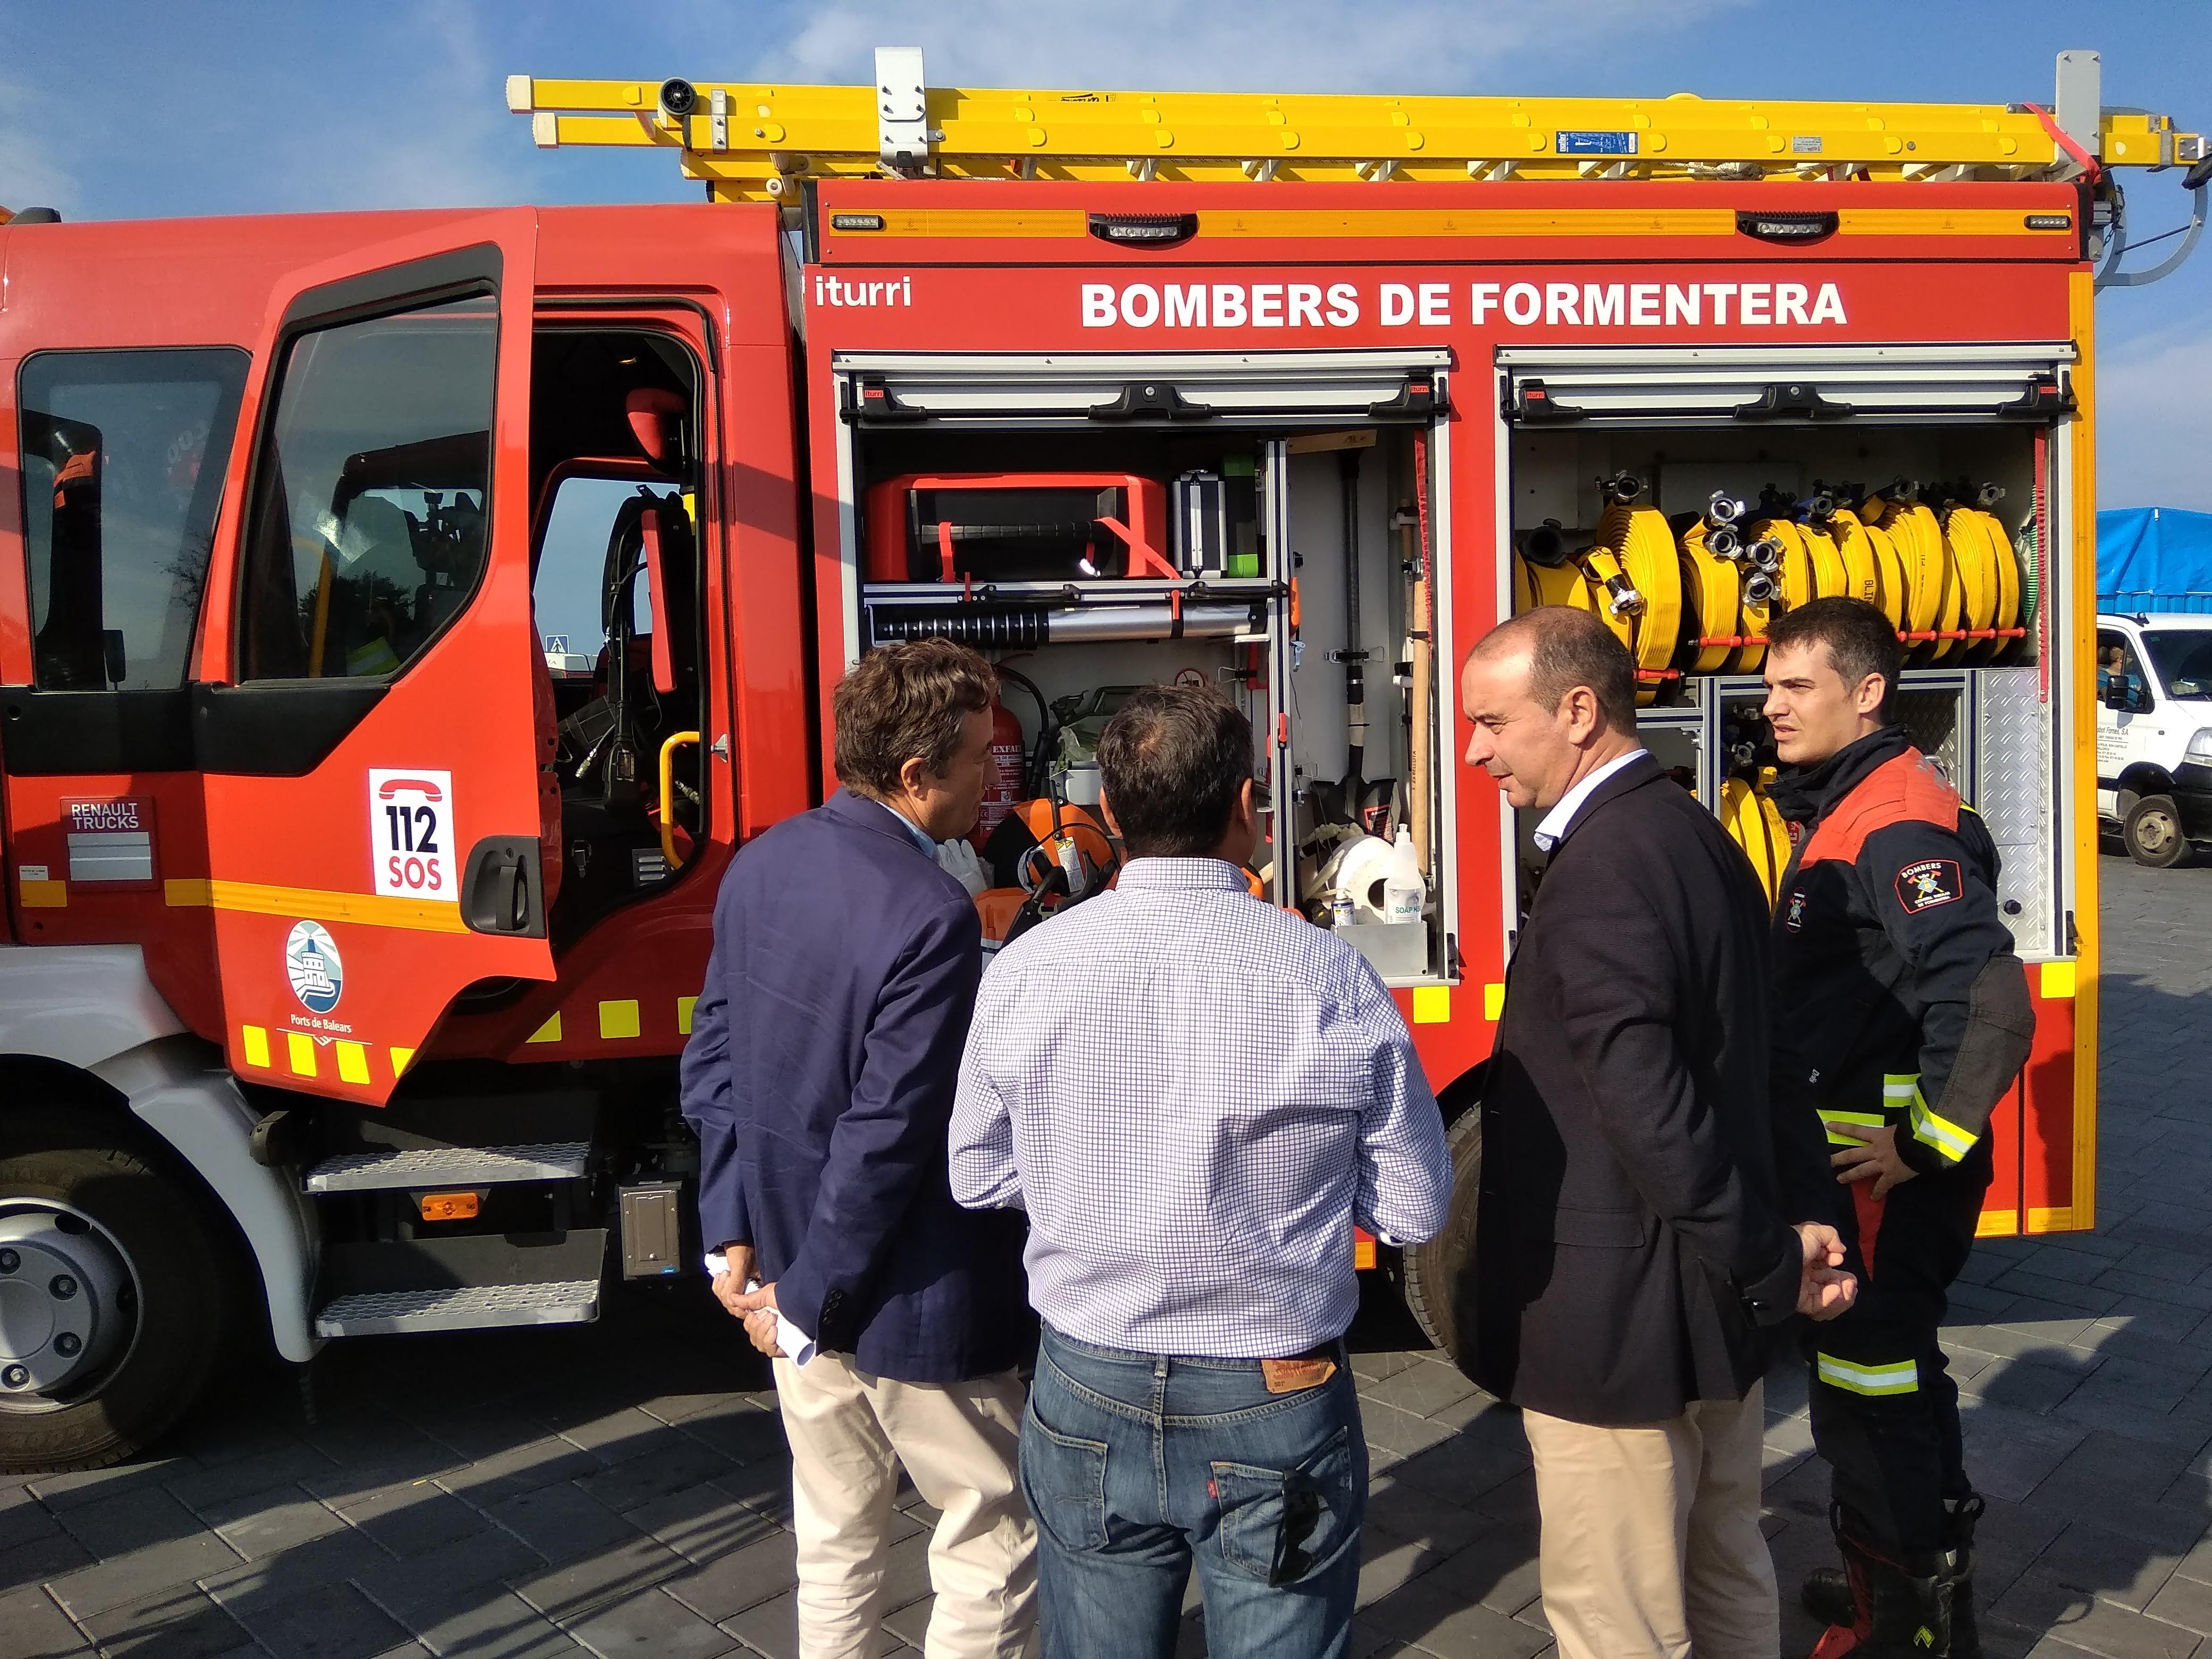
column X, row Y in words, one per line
column 1195, row 1095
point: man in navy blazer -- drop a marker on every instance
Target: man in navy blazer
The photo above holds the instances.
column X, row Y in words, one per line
column 824, row 1049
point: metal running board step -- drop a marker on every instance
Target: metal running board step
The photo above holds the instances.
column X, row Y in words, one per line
column 383, row 1168
column 474, row 1308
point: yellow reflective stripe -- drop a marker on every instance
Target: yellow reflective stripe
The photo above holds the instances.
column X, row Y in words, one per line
column 1950, row 1142
column 300, row 1048
column 258, row 898
column 353, row 1063
column 1242, row 223
column 1902, row 1378
column 1830, row 1116
column 618, row 1019
column 254, row 1040
column 684, row 1007
column 1897, row 1088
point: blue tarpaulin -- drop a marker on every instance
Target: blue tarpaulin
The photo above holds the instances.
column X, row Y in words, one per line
column 2153, row 558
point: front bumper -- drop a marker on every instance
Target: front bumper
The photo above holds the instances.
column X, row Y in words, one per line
column 2192, row 797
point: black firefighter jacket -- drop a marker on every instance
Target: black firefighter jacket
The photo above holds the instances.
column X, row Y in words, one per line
column 1633, row 1240
column 1898, row 998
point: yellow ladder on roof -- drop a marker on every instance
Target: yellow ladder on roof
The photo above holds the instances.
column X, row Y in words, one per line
column 751, row 143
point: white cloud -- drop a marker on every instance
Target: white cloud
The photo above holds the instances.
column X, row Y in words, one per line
column 31, row 174
column 2154, row 410
column 1288, row 46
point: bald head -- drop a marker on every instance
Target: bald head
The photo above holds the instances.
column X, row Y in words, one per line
column 1566, row 648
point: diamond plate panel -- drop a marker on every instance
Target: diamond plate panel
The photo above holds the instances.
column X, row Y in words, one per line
column 2012, row 791
column 1932, row 719
column 476, row 1307
column 387, row 1168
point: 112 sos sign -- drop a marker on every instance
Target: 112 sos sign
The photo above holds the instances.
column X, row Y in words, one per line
column 410, row 834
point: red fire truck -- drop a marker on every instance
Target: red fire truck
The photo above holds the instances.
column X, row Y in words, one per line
column 404, row 617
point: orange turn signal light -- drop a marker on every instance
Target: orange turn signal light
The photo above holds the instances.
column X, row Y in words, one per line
column 449, row 1206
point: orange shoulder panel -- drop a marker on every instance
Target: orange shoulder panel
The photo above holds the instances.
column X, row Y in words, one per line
column 1908, row 789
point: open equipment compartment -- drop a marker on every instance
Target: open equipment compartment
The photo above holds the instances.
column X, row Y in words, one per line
column 1928, row 480
column 1252, row 521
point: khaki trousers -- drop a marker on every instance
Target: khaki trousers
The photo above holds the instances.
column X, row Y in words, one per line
column 849, row 1432
column 1651, row 1545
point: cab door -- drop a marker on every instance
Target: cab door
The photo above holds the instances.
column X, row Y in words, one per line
column 2124, row 700
column 364, row 718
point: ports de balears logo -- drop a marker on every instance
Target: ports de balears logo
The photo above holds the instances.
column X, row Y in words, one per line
column 312, row 963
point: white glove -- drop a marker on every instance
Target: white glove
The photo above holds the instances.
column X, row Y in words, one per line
column 958, row 860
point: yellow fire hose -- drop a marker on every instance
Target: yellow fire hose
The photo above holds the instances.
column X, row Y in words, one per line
column 1977, row 574
column 1535, row 584
column 1796, row 576
column 1755, row 825
column 1712, row 589
column 1830, row 575
column 1698, row 600
column 1871, row 562
column 1930, row 585
column 1641, row 545
column 2007, row 622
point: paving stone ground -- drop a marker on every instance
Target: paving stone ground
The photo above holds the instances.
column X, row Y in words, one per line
column 623, row 1488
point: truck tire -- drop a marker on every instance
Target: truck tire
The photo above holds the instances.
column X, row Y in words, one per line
column 116, row 1294
column 2152, row 832
column 1435, row 1271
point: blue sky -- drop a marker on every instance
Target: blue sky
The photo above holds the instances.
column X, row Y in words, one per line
column 131, row 109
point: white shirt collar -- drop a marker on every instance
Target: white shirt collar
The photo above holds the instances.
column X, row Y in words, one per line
column 1554, row 826
column 920, row 836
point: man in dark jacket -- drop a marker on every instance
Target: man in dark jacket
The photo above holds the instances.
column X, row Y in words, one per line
column 1634, row 1240
column 824, row 1048
column 1902, row 1016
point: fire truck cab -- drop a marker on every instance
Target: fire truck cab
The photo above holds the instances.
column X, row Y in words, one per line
column 406, row 617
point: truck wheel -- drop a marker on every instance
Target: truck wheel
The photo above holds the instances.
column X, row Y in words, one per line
column 116, row 1295
column 2152, row 832
column 1435, row 1272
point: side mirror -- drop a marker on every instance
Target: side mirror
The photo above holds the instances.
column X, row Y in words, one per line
column 2115, row 696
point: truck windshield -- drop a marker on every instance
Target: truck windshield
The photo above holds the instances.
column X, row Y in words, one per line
column 2183, row 658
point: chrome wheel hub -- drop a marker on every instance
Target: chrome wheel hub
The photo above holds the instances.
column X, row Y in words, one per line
column 67, row 1303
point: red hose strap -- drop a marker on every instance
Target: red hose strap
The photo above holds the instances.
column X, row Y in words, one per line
column 2088, row 163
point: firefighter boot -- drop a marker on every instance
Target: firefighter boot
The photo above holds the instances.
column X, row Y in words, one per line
column 1895, row 1614
column 1826, row 1592
column 1959, row 1515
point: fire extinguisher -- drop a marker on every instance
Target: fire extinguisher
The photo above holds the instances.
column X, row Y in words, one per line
column 1009, row 768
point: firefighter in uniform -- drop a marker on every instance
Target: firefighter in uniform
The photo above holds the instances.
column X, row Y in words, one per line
column 1902, row 1016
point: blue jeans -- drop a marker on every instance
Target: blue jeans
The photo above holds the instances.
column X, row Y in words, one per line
column 1135, row 1465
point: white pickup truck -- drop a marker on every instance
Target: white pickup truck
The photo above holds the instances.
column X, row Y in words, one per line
column 2155, row 733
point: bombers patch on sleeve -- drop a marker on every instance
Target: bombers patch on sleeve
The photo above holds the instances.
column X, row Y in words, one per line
column 1924, row 885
